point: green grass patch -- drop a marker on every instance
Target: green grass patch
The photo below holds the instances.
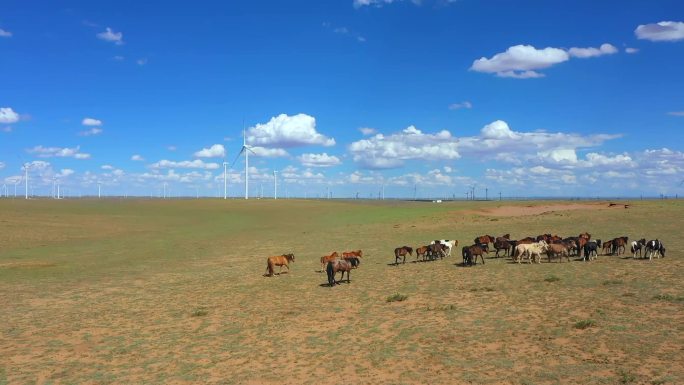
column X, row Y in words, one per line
column 625, row 377
column 397, row 297
column 585, row 324
column 199, row 312
column 552, row 278
column 669, row 298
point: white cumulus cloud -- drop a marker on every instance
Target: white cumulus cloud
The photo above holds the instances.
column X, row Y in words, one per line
column 459, row 106
column 319, row 160
column 7, row 115
column 662, row 31
column 58, row 152
column 521, row 61
column 4, row 33
column 215, row 151
column 604, row 49
column 288, row 131
column 137, row 158
column 197, row 163
column 269, row 152
column 91, row 132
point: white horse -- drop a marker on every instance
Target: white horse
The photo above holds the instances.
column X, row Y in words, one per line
column 449, row 244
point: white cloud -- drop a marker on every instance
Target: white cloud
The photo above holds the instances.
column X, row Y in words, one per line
column 662, row 31
column 288, row 131
column 380, row 3
column 107, row 167
column 65, row 172
column 520, row 61
column 631, row 50
column 463, row 105
column 319, row 160
column 111, row 36
column 269, row 152
column 215, row 151
column 368, row 131
column 4, row 33
column 605, row 49
column 391, row 151
column 676, row 113
column 498, row 130
column 523, row 61
column 58, row 152
column 91, row 132
column 7, row 115
column 197, row 163
column 91, row 122
column 137, row 158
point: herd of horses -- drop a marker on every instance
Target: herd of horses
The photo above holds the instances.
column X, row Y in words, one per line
column 529, row 248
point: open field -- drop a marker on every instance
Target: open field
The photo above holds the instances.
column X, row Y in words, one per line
column 164, row 292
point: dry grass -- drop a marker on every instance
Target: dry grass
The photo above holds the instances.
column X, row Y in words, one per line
column 173, row 292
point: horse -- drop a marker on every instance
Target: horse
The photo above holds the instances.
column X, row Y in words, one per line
column 607, row 247
column 484, row 239
column 506, row 237
column 591, row 247
column 422, row 252
column 436, row 249
column 533, row 251
column 448, row 243
column 654, row 247
column 327, row 258
column 620, row 242
column 353, row 253
column 559, row 250
column 637, row 246
column 470, row 254
column 278, row 260
column 401, row 252
column 337, row 265
column 502, row 244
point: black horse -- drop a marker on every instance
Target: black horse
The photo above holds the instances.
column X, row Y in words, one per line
column 591, row 247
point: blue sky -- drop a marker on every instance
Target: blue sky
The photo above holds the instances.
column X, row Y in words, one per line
column 540, row 98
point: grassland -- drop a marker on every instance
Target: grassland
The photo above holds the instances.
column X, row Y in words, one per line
column 132, row 291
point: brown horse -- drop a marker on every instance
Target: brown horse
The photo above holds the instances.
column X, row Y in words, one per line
column 278, row 260
column 353, row 253
column 327, row 258
column 558, row 250
column 607, row 247
column 620, row 243
column 422, row 252
column 470, row 254
column 483, row 239
column 335, row 266
column 401, row 252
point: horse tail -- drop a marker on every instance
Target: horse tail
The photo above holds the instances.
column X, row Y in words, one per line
column 331, row 274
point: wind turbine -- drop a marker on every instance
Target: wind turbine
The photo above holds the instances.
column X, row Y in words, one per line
column 99, row 190
column 26, row 168
column 246, row 149
column 225, row 179
column 275, row 184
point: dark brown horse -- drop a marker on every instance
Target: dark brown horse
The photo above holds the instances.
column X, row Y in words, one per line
column 607, row 247
column 470, row 254
column 502, row 244
column 327, row 258
column 338, row 265
column 278, row 260
column 401, row 252
column 437, row 250
column 620, row 243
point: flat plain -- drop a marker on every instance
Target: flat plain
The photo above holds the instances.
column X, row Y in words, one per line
column 173, row 292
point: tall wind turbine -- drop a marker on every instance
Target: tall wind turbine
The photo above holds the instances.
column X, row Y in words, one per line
column 275, row 184
column 225, row 179
column 26, row 167
column 245, row 149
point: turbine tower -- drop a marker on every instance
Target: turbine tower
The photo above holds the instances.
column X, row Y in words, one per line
column 275, row 184
column 225, row 179
column 99, row 189
column 246, row 149
column 26, row 167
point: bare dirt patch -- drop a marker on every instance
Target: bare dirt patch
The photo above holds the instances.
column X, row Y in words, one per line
column 534, row 209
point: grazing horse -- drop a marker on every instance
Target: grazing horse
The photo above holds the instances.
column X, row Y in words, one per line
column 533, row 251
column 654, row 247
column 401, row 252
column 327, row 258
column 502, row 244
column 637, row 246
column 482, row 239
column 505, row 237
column 422, row 252
column 591, row 247
column 278, row 260
column 337, row 265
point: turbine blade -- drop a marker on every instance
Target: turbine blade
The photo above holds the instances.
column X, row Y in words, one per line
column 238, row 156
